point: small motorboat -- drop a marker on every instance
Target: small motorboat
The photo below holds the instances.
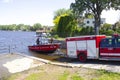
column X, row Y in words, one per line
column 44, row 45
column 47, row 48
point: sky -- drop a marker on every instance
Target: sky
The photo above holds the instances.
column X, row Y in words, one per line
column 39, row 11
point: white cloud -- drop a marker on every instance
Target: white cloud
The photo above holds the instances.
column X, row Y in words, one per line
column 7, row 1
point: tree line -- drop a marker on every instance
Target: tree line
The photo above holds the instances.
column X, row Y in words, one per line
column 22, row 27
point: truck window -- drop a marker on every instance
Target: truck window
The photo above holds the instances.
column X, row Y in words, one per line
column 109, row 42
column 102, row 44
column 118, row 42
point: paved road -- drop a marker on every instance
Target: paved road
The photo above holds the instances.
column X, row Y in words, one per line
column 113, row 66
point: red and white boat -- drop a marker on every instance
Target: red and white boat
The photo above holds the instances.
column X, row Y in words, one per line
column 48, row 48
column 43, row 45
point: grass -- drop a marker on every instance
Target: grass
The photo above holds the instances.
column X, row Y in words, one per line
column 12, row 77
column 33, row 76
column 64, row 76
column 105, row 75
column 67, row 74
column 49, row 72
column 61, row 38
column 76, row 77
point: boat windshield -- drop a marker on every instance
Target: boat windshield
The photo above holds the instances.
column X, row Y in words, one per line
column 43, row 40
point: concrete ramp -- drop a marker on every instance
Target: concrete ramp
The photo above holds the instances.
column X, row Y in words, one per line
column 13, row 63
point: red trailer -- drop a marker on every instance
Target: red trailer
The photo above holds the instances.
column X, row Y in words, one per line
column 93, row 47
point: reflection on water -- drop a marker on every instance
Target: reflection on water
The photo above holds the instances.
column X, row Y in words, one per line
column 18, row 41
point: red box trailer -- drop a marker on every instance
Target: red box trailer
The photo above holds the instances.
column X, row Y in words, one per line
column 93, row 47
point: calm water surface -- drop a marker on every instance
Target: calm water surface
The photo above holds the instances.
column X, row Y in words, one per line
column 18, row 41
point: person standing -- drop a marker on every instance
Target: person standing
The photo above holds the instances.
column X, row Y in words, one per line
column 51, row 40
column 37, row 41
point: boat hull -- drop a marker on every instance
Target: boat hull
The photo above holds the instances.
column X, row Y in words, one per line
column 47, row 48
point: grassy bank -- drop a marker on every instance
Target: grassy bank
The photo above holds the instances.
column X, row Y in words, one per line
column 51, row 72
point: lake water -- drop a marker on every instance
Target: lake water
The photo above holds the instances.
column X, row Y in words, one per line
column 18, row 41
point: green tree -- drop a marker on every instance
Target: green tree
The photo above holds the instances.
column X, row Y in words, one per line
column 60, row 12
column 64, row 22
column 15, row 27
column 89, row 15
column 94, row 6
column 86, row 31
column 20, row 26
column 56, row 21
column 116, row 27
column 36, row 26
column 106, row 29
column 65, row 26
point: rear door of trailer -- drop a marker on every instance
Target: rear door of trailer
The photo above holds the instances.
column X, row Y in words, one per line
column 71, row 49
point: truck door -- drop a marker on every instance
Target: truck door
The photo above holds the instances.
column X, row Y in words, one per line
column 117, row 48
column 107, row 47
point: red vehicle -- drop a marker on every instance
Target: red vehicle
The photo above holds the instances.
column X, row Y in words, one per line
column 47, row 48
column 94, row 47
column 43, row 45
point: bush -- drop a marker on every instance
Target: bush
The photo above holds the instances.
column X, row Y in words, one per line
column 56, row 36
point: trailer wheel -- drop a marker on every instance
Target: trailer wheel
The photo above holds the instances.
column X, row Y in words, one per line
column 82, row 57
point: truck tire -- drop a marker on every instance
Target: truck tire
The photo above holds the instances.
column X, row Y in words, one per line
column 82, row 57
